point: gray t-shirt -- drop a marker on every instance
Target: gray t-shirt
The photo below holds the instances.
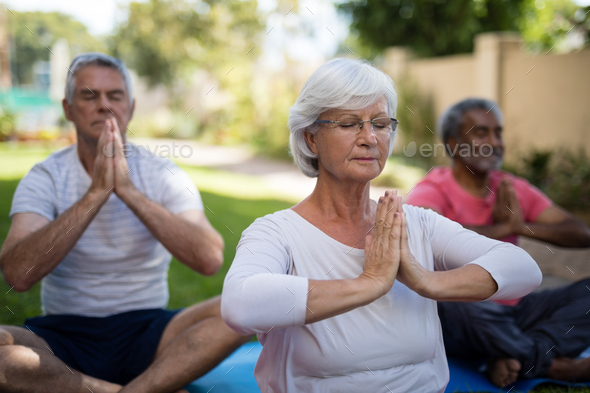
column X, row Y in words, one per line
column 117, row 265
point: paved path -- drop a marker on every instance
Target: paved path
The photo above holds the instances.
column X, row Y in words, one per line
column 282, row 176
column 560, row 266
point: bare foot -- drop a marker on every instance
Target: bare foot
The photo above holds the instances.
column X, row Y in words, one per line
column 567, row 369
column 503, row 372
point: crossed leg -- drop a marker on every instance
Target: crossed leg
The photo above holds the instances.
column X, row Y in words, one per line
column 540, row 337
column 193, row 342
column 28, row 365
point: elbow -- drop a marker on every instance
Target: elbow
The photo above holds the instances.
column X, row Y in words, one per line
column 15, row 279
column 236, row 315
column 214, row 259
column 207, row 262
column 582, row 243
column 535, row 275
column 585, row 239
column 16, row 284
column 538, row 276
column 21, row 287
column 212, row 266
column 207, row 265
column 578, row 235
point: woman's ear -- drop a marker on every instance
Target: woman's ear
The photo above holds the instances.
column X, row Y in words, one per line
column 310, row 139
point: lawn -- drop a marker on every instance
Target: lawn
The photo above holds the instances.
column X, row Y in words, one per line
column 233, row 202
column 237, row 202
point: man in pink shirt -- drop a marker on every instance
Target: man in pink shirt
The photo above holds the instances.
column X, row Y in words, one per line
column 525, row 337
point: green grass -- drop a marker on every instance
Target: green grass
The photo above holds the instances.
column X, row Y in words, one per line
column 235, row 201
column 227, row 213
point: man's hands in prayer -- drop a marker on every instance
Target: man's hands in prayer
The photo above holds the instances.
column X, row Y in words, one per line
column 507, row 208
column 123, row 182
column 111, row 172
column 103, row 175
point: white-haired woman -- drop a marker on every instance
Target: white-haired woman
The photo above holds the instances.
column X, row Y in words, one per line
column 316, row 282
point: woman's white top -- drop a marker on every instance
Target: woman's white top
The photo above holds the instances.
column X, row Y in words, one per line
column 393, row 344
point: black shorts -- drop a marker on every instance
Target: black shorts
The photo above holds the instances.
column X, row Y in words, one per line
column 116, row 348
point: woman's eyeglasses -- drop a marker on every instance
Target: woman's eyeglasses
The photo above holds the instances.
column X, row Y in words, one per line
column 353, row 125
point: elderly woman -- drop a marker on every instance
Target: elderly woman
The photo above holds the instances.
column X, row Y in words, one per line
column 341, row 289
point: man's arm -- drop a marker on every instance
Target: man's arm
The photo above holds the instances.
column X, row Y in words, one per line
column 494, row 231
column 556, row 226
column 34, row 246
column 187, row 235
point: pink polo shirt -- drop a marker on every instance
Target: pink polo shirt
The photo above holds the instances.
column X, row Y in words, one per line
column 440, row 191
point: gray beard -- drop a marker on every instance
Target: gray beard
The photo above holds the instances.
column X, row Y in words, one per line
column 483, row 164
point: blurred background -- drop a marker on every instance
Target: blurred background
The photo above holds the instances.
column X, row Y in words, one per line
column 220, row 76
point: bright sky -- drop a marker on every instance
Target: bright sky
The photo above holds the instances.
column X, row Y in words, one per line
column 98, row 16
column 319, row 17
column 101, row 16
column 316, row 16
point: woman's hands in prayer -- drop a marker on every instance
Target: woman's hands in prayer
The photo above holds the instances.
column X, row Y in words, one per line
column 410, row 273
column 383, row 253
column 387, row 251
column 387, row 258
column 382, row 248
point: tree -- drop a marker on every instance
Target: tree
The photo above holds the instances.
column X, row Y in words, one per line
column 166, row 39
column 32, row 33
column 429, row 27
column 557, row 23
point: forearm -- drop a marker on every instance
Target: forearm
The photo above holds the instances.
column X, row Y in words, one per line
column 465, row 284
column 570, row 233
column 35, row 256
column 261, row 302
column 328, row 298
column 496, row 231
column 196, row 246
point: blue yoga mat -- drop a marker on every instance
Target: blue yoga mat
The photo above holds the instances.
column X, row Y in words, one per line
column 236, row 375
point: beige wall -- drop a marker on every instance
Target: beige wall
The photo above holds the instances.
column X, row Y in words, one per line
column 545, row 109
column 549, row 107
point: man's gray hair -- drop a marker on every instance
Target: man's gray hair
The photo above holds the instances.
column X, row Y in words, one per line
column 452, row 119
column 337, row 84
column 96, row 59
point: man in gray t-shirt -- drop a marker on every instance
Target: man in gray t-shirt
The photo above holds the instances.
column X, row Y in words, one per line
column 97, row 224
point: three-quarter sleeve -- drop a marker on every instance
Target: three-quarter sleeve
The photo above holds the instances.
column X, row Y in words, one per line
column 453, row 246
column 259, row 294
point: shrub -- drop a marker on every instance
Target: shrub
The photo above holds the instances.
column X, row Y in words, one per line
column 563, row 175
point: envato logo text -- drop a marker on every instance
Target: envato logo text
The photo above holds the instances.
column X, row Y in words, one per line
column 164, row 151
column 463, row 150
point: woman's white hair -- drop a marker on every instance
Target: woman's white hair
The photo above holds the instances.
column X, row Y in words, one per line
column 337, row 84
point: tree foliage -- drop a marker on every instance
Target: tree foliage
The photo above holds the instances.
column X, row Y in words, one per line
column 556, row 23
column 166, row 39
column 429, row 27
column 32, row 33
column 445, row 27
